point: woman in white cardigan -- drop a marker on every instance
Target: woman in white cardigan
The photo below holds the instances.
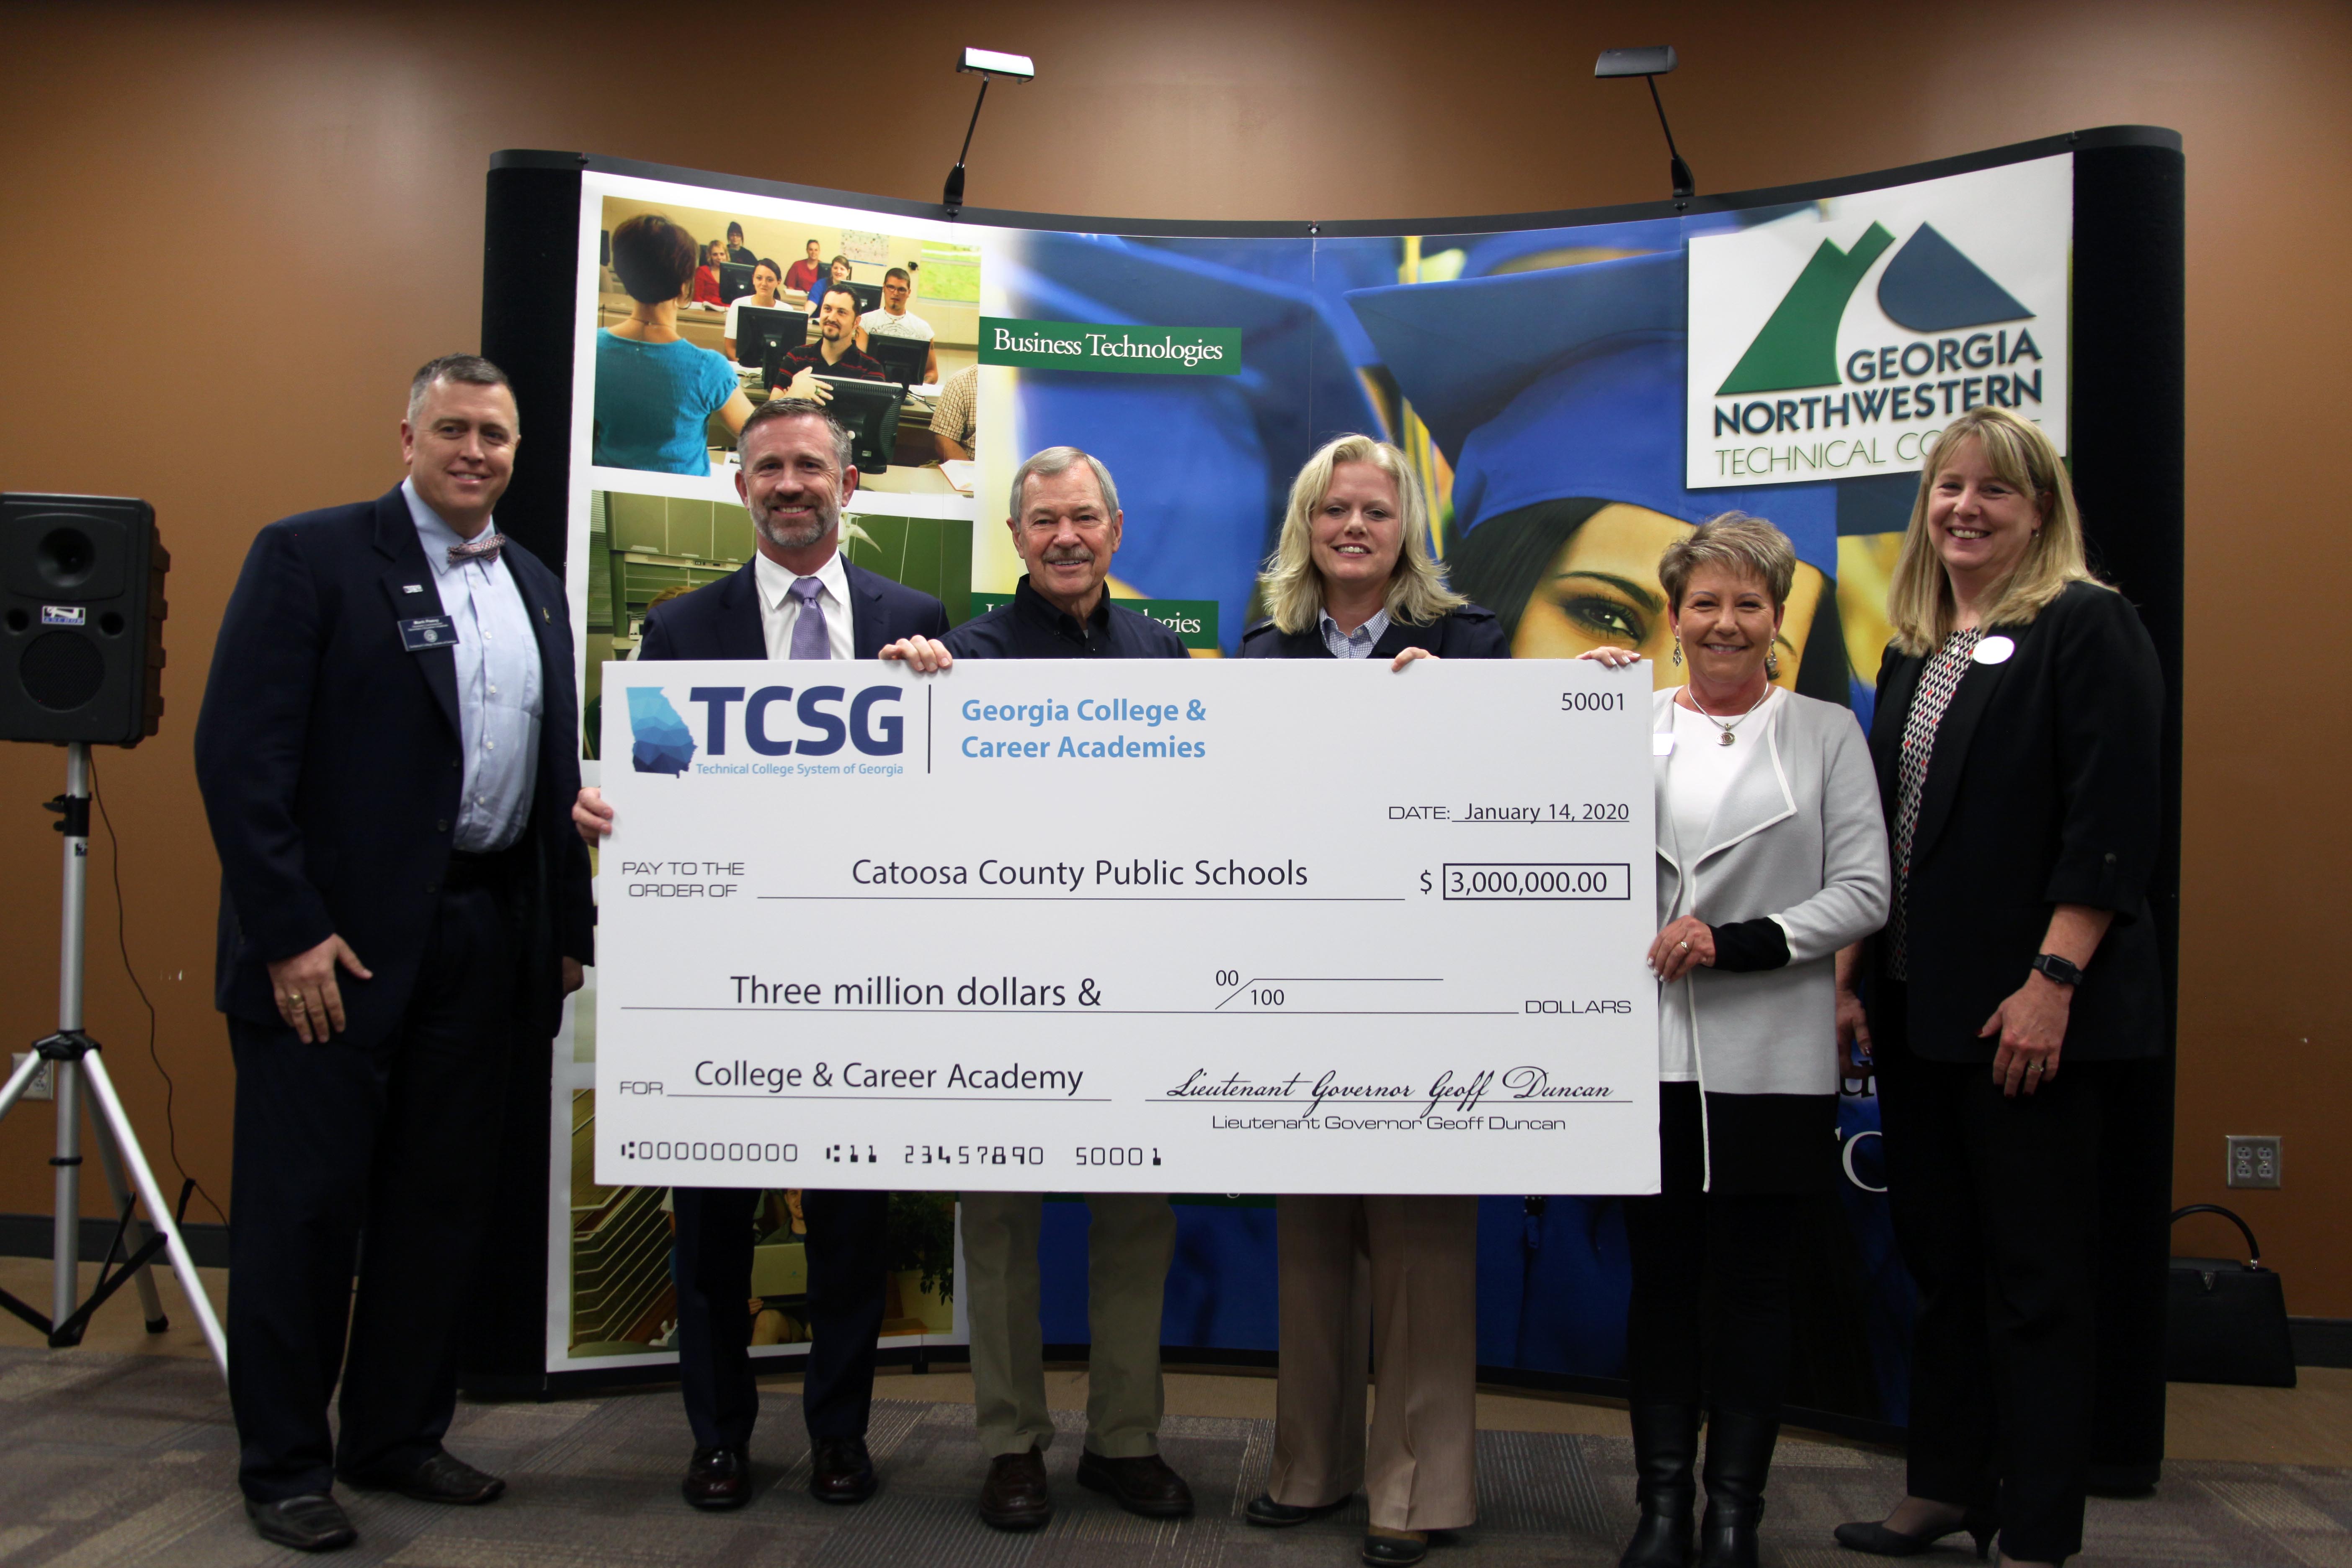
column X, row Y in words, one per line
column 1772, row 857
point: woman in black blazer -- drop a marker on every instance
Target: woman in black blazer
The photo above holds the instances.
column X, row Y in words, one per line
column 1353, row 577
column 2016, row 739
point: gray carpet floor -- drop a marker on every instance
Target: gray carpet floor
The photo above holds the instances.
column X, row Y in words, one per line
column 109, row 1460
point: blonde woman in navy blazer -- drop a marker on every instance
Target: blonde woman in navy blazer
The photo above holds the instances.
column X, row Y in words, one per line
column 1353, row 577
column 2017, row 736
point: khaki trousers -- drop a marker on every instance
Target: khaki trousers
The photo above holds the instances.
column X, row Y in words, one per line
column 1130, row 1237
column 1400, row 1272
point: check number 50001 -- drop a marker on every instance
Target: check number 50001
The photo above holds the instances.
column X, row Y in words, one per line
column 1491, row 882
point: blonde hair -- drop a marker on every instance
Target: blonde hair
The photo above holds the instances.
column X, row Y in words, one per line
column 1748, row 546
column 1920, row 608
column 1290, row 587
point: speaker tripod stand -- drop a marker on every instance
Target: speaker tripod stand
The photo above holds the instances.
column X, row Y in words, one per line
column 74, row 1063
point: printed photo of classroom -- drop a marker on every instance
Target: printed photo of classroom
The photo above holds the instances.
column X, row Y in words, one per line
column 701, row 316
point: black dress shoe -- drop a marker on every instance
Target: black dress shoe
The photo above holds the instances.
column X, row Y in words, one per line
column 441, row 1477
column 1396, row 1551
column 1262, row 1510
column 1871, row 1537
column 840, row 1471
column 1014, row 1496
column 311, row 1522
column 718, row 1479
column 1143, row 1485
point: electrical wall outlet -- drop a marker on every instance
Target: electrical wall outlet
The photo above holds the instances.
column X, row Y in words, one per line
column 2256, row 1162
column 43, row 1086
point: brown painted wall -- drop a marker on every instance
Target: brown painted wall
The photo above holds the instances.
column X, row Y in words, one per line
column 231, row 231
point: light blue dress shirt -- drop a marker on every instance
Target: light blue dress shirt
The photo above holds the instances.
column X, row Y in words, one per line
column 1357, row 644
column 500, row 699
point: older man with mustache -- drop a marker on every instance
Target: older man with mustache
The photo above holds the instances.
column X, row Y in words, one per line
column 1066, row 524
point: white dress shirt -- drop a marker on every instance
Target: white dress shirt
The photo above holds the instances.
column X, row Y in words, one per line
column 780, row 612
column 499, row 697
column 1357, row 644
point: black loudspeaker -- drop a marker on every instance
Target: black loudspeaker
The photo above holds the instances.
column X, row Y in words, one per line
column 81, row 619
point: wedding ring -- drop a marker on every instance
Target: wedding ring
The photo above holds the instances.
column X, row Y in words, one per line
column 1683, row 945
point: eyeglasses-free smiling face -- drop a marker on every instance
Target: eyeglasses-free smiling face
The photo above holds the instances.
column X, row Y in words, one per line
column 1603, row 590
column 1066, row 537
column 1357, row 532
column 1728, row 624
column 1982, row 523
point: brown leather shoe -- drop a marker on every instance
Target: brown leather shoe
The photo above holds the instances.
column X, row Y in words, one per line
column 1144, row 1485
column 1014, row 1496
column 840, row 1471
column 718, row 1479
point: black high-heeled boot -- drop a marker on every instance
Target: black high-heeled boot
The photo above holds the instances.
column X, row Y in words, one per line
column 1665, row 1447
column 1738, row 1457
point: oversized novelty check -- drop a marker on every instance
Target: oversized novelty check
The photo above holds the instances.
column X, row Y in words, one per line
column 1254, row 926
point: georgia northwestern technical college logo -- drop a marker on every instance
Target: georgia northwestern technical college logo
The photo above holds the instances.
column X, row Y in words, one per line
column 1929, row 287
column 1836, row 340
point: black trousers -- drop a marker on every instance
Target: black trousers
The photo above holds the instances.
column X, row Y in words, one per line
column 1995, row 1205
column 1709, row 1322
column 711, row 1261
column 380, row 1156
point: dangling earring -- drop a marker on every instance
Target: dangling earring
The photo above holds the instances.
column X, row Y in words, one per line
column 1771, row 664
column 1678, row 650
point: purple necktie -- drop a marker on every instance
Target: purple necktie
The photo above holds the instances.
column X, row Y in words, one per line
column 483, row 547
column 809, row 640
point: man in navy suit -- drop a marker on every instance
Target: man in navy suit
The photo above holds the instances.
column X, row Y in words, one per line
column 797, row 598
column 387, row 750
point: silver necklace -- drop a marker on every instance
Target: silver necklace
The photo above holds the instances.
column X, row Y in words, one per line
column 1720, row 724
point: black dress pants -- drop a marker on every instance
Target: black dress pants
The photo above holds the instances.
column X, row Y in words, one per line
column 711, row 1261
column 380, row 1156
column 1995, row 1205
column 1709, row 1322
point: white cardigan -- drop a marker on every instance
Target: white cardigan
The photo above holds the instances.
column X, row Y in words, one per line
column 1799, row 836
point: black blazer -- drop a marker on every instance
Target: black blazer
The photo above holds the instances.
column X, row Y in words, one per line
column 2041, row 790
column 330, row 759
column 1469, row 632
column 721, row 619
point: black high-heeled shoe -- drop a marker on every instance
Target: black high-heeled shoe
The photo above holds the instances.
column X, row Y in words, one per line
column 1872, row 1536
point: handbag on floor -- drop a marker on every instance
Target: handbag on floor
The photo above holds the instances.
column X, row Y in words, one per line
column 2226, row 1320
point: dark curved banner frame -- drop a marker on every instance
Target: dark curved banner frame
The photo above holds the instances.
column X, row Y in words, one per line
column 2126, row 440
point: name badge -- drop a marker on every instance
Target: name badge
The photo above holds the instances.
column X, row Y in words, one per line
column 427, row 631
column 1995, row 650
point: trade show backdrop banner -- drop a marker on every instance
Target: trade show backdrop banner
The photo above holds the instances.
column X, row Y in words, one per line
column 1574, row 389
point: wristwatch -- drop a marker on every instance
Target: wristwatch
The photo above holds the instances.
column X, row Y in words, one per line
column 2064, row 971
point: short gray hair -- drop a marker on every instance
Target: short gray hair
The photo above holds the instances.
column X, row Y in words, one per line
column 1059, row 460
column 845, row 446
column 1747, row 546
column 465, row 370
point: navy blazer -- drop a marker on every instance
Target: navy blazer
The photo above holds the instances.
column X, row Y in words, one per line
column 2043, row 789
column 331, row 762
column 722, row 620
column 1470, row 632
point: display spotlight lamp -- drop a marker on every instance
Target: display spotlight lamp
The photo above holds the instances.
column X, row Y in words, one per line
column 988, row 65
column 1650, row 64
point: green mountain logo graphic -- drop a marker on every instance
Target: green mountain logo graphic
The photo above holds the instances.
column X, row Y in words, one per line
column 1928, row 287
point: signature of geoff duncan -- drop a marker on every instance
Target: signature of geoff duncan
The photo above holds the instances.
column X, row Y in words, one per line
column 1463, row 1094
